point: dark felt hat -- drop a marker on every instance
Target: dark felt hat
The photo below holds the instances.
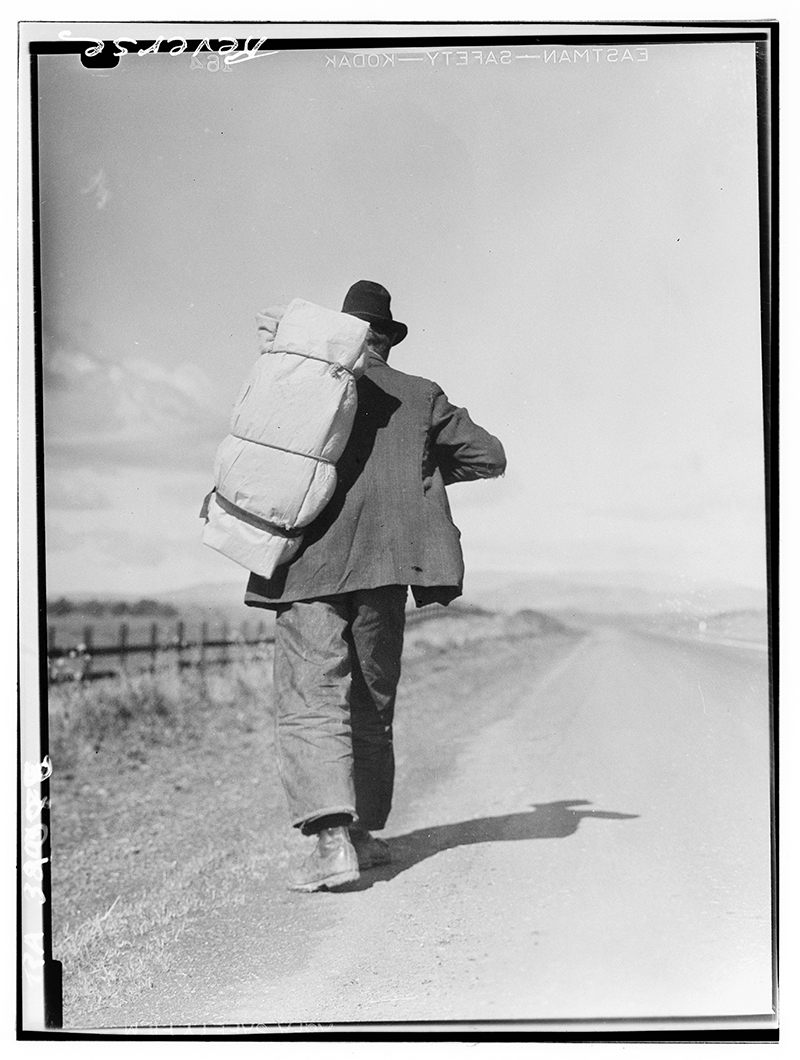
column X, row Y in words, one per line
column 369, row 301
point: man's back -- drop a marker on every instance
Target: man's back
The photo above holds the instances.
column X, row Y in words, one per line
column 341, row 602
column 389, row 520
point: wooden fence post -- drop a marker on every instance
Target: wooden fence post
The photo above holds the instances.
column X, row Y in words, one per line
column 203, row 639
column 87, row 648
column 123, row 645
column 51, row 646
column 180, row 637
column 153, row 646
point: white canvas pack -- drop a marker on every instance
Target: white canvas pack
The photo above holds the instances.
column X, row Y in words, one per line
column 289, row 426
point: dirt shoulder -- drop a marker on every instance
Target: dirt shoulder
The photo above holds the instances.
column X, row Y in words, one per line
column 170, row 859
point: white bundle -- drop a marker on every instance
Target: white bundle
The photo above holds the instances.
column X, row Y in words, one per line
column 275, row 471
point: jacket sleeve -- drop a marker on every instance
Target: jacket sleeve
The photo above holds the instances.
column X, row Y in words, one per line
column 460, row 448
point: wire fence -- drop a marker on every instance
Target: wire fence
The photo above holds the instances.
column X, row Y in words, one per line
column 89, row 661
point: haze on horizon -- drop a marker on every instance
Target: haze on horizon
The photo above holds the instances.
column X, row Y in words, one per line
column 575, row 249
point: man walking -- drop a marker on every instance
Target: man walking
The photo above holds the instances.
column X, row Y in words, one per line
column 340, row 603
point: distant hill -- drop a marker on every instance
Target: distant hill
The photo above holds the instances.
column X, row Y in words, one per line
column 215, row 602
column 509, row 592
column 434, row 612
column 746, row 626
column 528, row 623
column 623, row 593
column 145, row 607
column 225, row 594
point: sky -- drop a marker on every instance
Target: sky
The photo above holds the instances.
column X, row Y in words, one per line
column 573, row 244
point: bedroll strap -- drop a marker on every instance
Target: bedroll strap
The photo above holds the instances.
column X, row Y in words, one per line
column 254, row 520
column 206, row 503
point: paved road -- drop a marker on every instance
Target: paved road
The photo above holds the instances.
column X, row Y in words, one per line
column 601, row 849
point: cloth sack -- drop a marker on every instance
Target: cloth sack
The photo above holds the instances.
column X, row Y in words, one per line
column 275, row 471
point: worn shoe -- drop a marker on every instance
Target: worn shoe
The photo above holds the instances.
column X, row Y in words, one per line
column 332, row 863
column 370, row 850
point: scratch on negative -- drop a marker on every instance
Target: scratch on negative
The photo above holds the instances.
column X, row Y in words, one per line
column 703, row 699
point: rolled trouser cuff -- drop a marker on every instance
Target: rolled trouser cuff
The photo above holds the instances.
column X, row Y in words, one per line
column 305, row 824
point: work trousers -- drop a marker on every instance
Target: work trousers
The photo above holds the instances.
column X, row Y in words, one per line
column 337, row 666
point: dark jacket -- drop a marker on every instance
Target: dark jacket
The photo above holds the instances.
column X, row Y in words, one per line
column 389, row 522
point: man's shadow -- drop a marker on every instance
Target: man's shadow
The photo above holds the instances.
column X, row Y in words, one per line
column 548, row 820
